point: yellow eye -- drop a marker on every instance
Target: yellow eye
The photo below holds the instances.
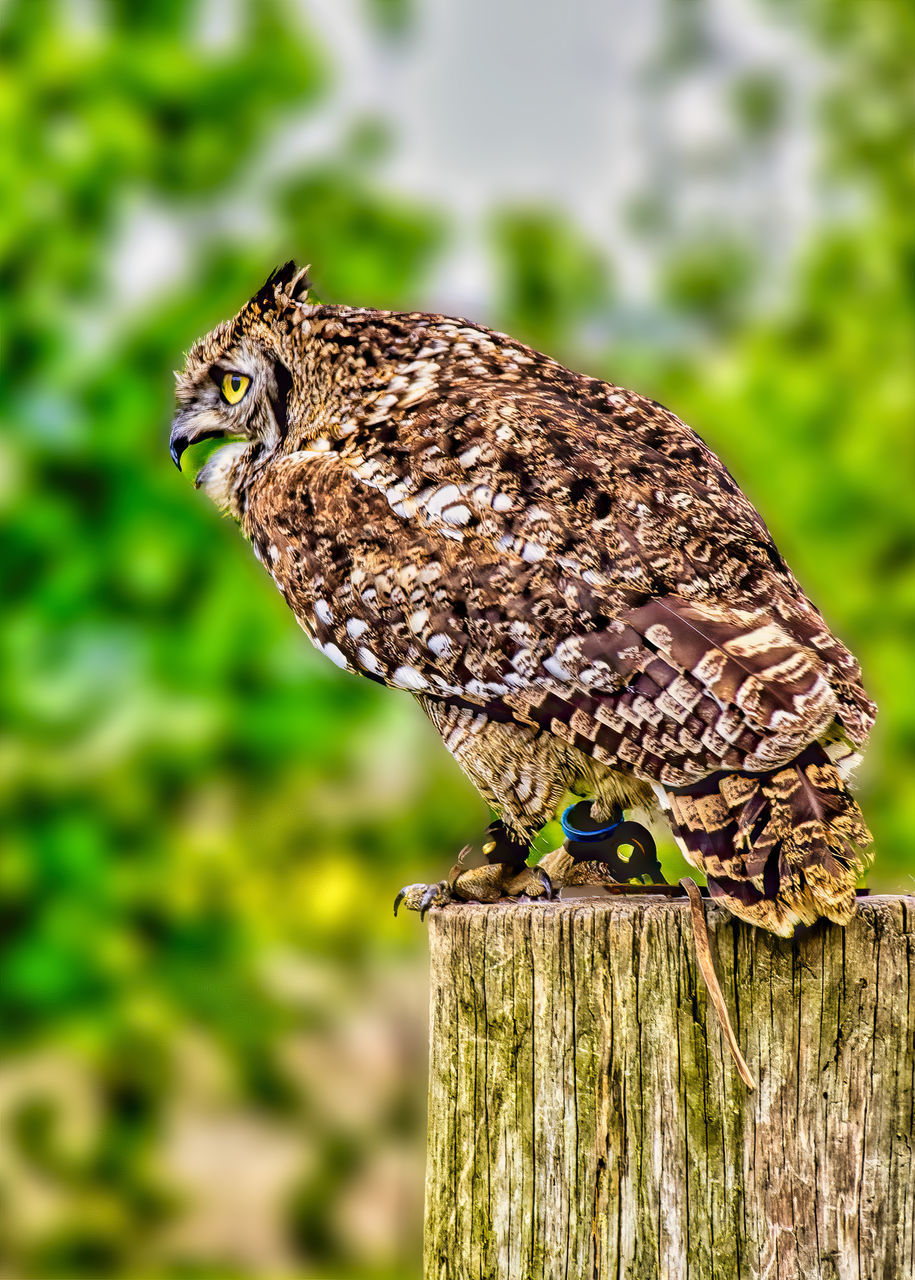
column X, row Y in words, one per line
column 233, row 387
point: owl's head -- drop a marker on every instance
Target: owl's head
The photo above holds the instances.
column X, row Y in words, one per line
column 237, row 385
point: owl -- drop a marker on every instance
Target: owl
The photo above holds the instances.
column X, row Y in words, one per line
column 561, row 573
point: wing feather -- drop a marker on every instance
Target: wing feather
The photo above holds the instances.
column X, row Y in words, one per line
column 644, row 617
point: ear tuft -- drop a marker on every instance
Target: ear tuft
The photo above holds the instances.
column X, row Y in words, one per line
column 299, row 285
column 287, row 285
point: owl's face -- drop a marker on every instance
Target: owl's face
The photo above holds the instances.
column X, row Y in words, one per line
column 231, row 389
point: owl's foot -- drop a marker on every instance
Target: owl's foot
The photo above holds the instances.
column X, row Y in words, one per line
column 566, row 873
column 477, row 884
column 506, row 875
column 594, row 854
column 599, row 849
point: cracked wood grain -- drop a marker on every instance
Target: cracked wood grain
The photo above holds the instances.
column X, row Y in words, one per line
column 586, row 1118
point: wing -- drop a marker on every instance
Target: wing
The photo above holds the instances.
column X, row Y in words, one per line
column 612, row 486
column 582, row 562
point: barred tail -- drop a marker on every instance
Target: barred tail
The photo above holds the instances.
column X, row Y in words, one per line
column 780, row 848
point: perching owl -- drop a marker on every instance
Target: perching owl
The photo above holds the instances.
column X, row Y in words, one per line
column 561, row 572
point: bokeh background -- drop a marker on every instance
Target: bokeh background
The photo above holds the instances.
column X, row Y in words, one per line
column 211, row 1028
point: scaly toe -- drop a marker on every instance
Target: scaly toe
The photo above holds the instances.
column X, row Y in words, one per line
column 559, row 869
column 420, row 897
column 435, row 896
column 529, row 883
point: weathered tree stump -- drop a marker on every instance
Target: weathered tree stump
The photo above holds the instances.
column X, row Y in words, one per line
column 586, row 1119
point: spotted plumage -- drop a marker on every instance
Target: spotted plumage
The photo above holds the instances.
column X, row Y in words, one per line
column 563, row 574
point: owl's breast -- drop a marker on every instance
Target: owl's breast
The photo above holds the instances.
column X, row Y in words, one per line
column 368, row 588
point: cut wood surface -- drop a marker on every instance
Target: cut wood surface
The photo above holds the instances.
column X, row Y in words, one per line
column 586, row 1118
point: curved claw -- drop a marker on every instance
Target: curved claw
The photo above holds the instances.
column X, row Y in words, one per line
column 549, row 893
column 420, row 897
column 428, row 898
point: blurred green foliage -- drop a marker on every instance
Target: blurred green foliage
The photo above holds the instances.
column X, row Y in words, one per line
column 188, row 792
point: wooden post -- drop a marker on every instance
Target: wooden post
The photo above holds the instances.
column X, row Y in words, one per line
column 586, row 1119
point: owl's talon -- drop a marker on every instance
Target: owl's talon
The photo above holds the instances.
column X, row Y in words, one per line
column 549, row 893
column 505, row 875
column 532, row 884
column 589, row 841
column 435, row 896
column 479, row 884
column 420, row 897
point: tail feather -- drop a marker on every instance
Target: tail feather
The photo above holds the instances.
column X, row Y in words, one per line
column 780, row 848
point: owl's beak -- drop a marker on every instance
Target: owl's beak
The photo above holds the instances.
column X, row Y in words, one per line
column 176, row 447
column 181, row 438
column 188, row 429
